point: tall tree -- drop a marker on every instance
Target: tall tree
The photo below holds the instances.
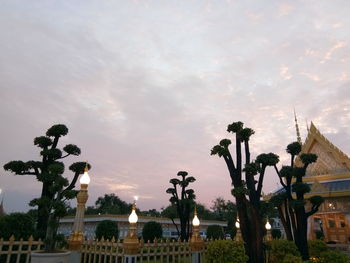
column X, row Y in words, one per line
column 181, row 197
column 112, row 204
column 247, row 190
column 291, row 204
column 225, row 211
column 55, row 187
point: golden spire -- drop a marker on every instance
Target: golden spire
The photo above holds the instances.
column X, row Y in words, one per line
column 297, row 128
column 86, row 169
column 307, row 127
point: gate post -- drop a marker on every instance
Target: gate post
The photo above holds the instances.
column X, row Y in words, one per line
column 196, row 242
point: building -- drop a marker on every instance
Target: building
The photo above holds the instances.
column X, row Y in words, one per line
column 91, row 221
column 329, row 177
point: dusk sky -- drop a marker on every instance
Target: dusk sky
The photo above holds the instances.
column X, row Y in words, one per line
column 146, row 88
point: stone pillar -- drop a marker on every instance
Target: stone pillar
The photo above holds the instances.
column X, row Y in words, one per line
column 77, row 237
column 131, row 245
column 197, row 245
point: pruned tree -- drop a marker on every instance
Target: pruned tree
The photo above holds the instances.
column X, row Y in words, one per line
column 56, row 189
column 247, row 189
column 292, row 203
column 181, row 197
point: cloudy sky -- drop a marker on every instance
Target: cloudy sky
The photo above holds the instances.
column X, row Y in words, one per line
column 146, row 88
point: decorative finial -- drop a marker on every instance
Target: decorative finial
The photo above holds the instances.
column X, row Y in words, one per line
column 86, row 169
column 297, row 128
column 307, row 126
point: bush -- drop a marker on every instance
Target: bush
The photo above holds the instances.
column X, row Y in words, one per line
column 107, row 229
column 226, row 251
column 276, row 233
column 215, row 232
column 333, row 256
column 152, row 230
column 280, row 248
column 292, row 259
column 316, row 247
column 18, row 224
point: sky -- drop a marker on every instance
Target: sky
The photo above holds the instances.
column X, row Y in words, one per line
column 147, row 88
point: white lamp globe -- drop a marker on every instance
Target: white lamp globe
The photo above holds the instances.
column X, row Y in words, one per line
column 237, row 224
column 195, row 221
column 85, row 179
column 133, row 217
column 268, row 226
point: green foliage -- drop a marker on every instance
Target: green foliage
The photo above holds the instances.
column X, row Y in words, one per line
column 316, row 200
column 215, row 232
column 316, row 247
column 18, row 224
column 276, row 233
column 112, row 204
column 289, row 258
column 107, row 229
column 302, row 188
column 278, row 199
column 152, row 230
column 57, row 130
column 226, row 251
column 235, row 127
column 308, row 158
column 219, row 150
column 333, row 256
column 294, row 148
column 267, row 159
column 280, row 248
column 252, row 169
column 245, row 134
column 225, row 143
column 286, row 171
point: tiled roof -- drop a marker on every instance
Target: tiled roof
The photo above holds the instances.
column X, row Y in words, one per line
column 331, row 186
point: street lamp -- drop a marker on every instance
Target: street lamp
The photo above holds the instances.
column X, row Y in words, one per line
column 76, row 238
column 131, row 243
column 196, row 242
column 238, row 236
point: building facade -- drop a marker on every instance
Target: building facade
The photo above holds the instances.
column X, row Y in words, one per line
column 328, row 177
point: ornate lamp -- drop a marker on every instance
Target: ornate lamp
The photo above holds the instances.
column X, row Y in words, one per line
column 268, row 231
column 76, row 238
column 238, row 236
column 196, row 242
column 131, row 243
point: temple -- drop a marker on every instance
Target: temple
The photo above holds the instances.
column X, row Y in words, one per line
column 329, row 177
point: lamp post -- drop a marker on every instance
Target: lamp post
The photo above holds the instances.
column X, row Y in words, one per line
column 268, row 231
column 238, row 236
column 196, row 242
column 76, row 238
column 131, row 243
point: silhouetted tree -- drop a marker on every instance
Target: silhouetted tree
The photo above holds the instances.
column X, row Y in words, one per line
column 182, row 201
column 247, row 190
column 112, row 204
column 49, row 171
column 152, row 230
column 291, row 203
column 107, row 229
column 225, row 211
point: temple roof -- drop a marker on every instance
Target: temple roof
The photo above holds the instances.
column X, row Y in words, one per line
column 331, row 160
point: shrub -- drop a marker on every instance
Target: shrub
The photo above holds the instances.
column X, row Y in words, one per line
column 292, row 259
column 107, row 229
column 226, row 251
column 276, row 233
column 316, row 247
column 333, row 256
column 215, row 232
column 280, row 248
column 152, row 230
column 18, row 224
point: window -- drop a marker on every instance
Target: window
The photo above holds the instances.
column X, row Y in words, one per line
column 342, row 224
column 331, row 223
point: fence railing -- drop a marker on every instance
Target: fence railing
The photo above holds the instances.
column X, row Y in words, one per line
column 18, row 251
column 111, row 251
